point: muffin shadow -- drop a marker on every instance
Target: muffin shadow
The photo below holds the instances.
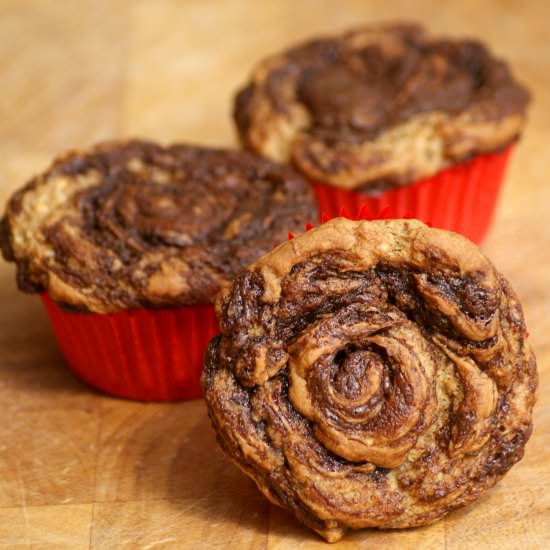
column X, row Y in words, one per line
column 167, row 452
column 216, row 489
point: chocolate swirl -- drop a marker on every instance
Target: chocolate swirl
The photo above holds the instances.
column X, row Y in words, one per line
column 379, row 104
column 134, row 224
column 371, row 374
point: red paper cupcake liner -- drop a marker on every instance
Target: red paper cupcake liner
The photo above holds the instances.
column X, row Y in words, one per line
column 364, row 214
column 146, row 355
column 461, row 198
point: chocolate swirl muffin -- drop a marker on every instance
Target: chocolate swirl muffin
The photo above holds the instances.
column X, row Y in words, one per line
column 133, row 224
column 380, row 105
column 371, row 374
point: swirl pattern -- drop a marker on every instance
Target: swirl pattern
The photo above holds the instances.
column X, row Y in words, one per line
column 371, row 374
column 134, row 224
column 379, row 105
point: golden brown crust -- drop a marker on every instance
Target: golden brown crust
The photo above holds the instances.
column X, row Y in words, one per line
column 133, row 224
column 371, row 374
column 384, row 103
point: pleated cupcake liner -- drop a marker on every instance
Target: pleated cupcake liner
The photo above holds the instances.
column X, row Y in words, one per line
column 142, row 354
column 364, row 214
column 461, row 198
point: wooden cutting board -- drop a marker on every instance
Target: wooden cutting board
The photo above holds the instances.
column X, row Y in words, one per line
column 78, row 470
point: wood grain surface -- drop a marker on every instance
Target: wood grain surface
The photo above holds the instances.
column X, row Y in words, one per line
column 79, row 470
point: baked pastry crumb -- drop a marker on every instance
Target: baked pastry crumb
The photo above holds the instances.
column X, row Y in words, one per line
column 135, row 224
column 378, row 106
column 371, row 374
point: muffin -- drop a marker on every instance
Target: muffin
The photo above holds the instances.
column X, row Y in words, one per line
column 129, row 242
column 371, row 374
column 387, row 115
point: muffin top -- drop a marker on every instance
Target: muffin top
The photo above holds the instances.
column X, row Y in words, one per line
column 379, row 106
column 134, row 224
column 371, row 374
